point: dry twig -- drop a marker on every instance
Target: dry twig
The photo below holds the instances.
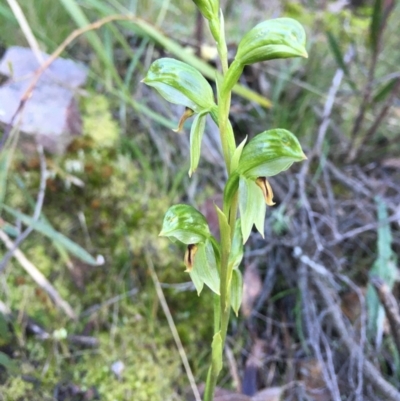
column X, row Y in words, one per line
column 371, row 373
column 23, row 23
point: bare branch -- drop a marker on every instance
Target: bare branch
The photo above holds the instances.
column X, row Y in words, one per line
column 370, row 372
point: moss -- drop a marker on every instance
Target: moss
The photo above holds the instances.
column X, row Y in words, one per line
column 98, row 122
column 16, row 389
column 150, row 368
column 118, row 213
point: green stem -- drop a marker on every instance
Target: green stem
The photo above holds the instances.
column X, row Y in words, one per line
column 217, row 314
column 212, row 376
column 221, row 117
column 210, row 384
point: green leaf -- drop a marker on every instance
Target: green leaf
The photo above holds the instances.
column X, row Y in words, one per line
column 236, row 155
column 180, row 83
column 54, row 235
column 186, row 224
column 236, row 254
column 196, row 135
column 252, row 207
column 269, row 153
column 224, row 227
column 230, row 190
column 216, row 347
column 8, row 363
column 236, row 290
column 205, row 267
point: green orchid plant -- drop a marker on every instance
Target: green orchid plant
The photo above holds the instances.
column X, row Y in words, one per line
column 247, row 191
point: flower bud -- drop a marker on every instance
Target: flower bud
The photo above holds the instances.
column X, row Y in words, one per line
column 269, row 153
column 209, row 8
column 272, row 39
column 180, row 83
column 186, row 224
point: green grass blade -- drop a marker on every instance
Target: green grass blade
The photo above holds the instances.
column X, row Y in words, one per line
column 81, row 20
column 339, row 58
column 143, row 28
column 48, row 231
column 376, row 25
column 384, row 91
column 31, row 202
column 385, row 267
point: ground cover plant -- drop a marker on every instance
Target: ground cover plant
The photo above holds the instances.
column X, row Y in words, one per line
column 318, row 316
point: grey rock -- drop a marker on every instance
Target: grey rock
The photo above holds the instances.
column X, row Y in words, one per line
column 50, row 116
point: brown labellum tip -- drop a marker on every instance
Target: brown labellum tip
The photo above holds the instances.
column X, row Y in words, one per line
column 187, row 114
column 189, row 256
column 266, row 188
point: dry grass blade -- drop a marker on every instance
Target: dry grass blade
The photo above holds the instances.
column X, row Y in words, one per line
column 19, row 15
column 172, row 327
column 38, row 277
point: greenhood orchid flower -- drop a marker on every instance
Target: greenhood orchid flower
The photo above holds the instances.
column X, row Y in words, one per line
column 266, row 155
